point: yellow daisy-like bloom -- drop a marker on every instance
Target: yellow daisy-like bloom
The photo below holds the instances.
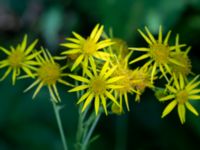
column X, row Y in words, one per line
column 86, row 49
column 181, row 94
column 19, row 58
column 158, row 51
column 126, row 83
column 182, row 57
column 98, row 86
column 49, row 73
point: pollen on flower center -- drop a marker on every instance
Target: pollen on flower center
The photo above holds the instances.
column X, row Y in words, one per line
column 98, row 86
column 89, row 47
column 160, row 53
column 49, row 73
column 16, row 58
column 182, row 96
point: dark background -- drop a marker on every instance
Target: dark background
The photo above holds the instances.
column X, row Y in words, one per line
column 27, row 124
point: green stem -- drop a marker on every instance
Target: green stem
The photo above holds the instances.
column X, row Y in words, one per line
column 87, row 138
column 56, row 110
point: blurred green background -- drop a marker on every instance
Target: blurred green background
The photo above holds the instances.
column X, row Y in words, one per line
column 27, row 124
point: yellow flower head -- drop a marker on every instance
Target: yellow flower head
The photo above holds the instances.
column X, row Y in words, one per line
column 49, row 73
column 119, row 49
column 182, row 57
column 126, row 83
column 19, row 58
column 86, row 49
column 142, row 79
column 98, row 86
column 181, row 94
column 158, row 51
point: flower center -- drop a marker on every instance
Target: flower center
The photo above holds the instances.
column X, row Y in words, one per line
column 16, row 58
column 49, row 73
column 182, row 96
column 160, row 53
column 89, row 47
column 98, row 86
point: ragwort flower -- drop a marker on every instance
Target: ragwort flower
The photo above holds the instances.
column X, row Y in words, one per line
column 49, row 73
column 98, row 86
column 181, row 94
column 19, row 58
column 158, row 52
column 182, row 57
column 87, row 49
column 126, row 83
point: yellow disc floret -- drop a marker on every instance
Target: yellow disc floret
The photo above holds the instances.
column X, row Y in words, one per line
column 49, row 73
column 160, row 53
column 89, row 47
column 182, row 96
column 16, row 58
column 98, row 85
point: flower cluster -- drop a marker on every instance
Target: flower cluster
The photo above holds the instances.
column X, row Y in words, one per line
column 101, row 66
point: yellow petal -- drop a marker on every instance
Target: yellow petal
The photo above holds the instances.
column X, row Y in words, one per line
column 37, row 89
column 194, row 97
column 24, row 42
column 191, row 108
column 96, row 104
column 78, row 36
column 104, row 44
column 79, row 78
column 145, row 37
column 98, row 34
column 77, row 62
column 5, row 51
column 73, row 40
column 71, row 45
column 167, row 38
column 169, row 108
column 111, row 97
column 114, row 79
column 104, row 104
column 30, row 48
column 143, row 49
column 168, row 97
column 145, row 56
column 126, row 101
column 83, row 97
column 160, row 35
column 93, row 65
column 150, row 35
column 88, row 101
column 94, row 31
column 78, row 88
column 181, row 112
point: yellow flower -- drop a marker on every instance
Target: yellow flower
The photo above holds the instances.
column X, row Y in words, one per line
column 182, row 57
column 49, row 73
column 181, row 94
column 158, row 51
column 98, row 86
column 142, row 79
column 19, row 58
column 119, row 49
column 86, row 49
column 126, row 83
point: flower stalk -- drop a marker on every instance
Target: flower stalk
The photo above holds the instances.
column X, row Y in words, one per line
column 56, row 111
